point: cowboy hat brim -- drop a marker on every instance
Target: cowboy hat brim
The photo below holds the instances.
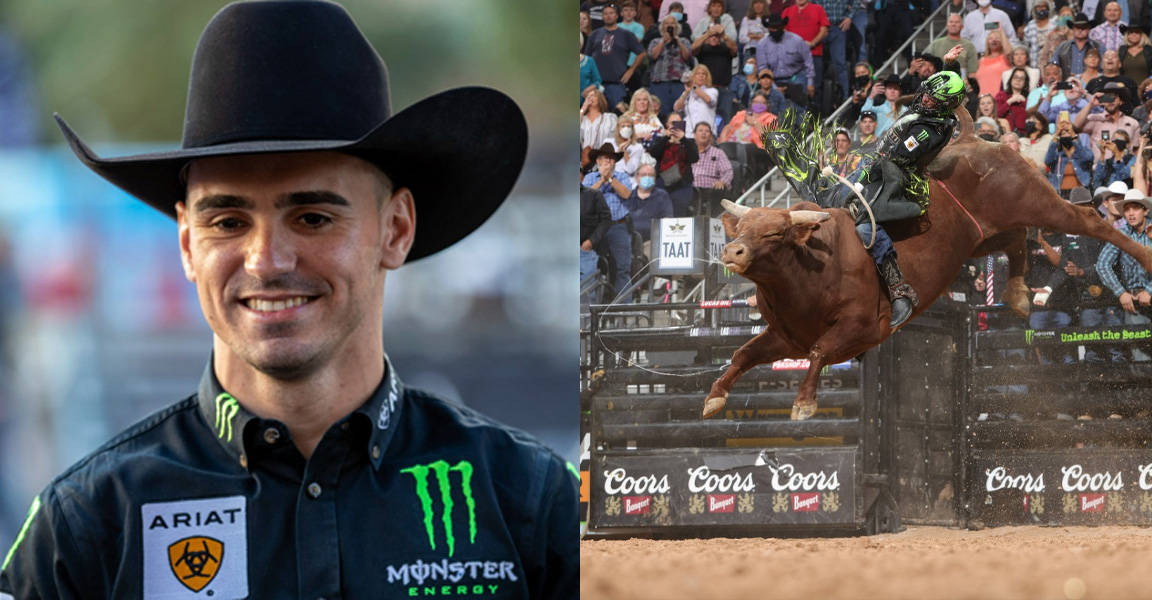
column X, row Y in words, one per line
column 459, row 169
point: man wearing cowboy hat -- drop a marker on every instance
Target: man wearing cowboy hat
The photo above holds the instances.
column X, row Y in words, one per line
column 303, row 466
column 616, row 187
column 1100, row 125
column 790, row 59
column 1133, row 287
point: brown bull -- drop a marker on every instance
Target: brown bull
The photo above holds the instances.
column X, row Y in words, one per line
column 817, row 287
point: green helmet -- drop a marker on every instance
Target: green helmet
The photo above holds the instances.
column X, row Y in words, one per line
column 946, row 88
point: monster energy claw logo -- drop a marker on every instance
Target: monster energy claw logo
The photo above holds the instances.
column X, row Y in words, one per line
column 226, row 409
column 1028, row 333
column 441, row 470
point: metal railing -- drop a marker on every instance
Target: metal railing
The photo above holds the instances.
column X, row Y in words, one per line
column 762, row 187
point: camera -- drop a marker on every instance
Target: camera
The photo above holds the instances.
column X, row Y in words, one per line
column 1104, row 135
column 1063, row 85
column 1108, row 98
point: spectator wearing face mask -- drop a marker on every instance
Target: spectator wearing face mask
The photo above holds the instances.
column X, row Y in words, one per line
column 1068, row 160
column 646, row 203
column 1037, row 30
column 1117, row 166
column 1034, row 144
column 988, row 129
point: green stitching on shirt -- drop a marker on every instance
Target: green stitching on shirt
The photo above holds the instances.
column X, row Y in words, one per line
column 23, row 530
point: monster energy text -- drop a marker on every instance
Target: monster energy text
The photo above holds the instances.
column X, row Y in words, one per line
column 226, row 409
column 441, row 469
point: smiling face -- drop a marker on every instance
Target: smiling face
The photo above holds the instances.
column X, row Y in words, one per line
column 289, row 253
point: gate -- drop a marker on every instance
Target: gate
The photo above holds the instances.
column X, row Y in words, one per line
column 656, row 467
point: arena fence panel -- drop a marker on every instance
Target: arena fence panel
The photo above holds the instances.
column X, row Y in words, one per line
column 1060, row 443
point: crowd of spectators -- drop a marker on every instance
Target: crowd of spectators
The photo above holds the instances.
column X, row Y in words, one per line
column 1064, row 83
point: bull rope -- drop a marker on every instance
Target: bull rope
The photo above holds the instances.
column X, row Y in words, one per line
column 871, row 217
column 979, row 229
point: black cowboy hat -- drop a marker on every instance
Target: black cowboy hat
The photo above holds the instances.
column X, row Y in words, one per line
column 1118, row 88
column 893, row 79
column 606, row 149
column 774, row 21
column 1081, row 21
column 292, row 76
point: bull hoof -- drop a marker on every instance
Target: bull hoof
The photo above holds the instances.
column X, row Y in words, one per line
column 803, row 412
column 714, row 405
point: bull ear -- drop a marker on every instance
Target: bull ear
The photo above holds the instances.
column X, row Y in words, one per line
column 729, row 224
column 802, row 232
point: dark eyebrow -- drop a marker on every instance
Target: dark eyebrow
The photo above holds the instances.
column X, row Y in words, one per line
column 225, row 201
column 219, row 201
column 313, row 197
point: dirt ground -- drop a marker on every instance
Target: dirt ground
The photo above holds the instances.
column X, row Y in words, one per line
column 1063, row 563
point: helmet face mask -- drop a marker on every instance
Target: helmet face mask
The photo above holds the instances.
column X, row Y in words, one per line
column 946, row 91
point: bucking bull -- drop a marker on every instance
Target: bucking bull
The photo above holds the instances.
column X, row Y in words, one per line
column 817, row 287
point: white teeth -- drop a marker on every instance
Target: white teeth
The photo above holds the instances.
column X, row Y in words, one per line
column 259, row 305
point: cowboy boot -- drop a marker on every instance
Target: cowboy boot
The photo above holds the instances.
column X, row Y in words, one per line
column 901, row 294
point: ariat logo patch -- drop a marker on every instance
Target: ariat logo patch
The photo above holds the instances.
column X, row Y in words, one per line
column 196, row 549
column 911, row 143
column 196, row 560
column 226, row 409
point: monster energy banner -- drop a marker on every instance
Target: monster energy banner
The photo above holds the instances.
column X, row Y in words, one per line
column 1100, row 486
column 1019, row 338
column 723, row 487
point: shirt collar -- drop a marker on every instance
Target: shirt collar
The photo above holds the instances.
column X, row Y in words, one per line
column 228, row 419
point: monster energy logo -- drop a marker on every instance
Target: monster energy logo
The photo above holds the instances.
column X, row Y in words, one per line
column 923, row 135
column 226, row 409
column 1028, row 333
column 441, row 469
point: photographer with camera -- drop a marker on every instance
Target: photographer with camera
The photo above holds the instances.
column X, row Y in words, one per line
column 1140, row 174
column 1068, row 160
column 670, row 54
column 861, row 86
column 1073, row 99
column 1100, row 125
column 1118, row 166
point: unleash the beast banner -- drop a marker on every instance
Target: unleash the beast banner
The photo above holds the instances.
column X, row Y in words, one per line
column 792, row 487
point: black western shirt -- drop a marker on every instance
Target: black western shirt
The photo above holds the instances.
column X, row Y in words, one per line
column 409, row 496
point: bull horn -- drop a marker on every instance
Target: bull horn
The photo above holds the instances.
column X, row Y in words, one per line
column 735, row 209
column 809, row 216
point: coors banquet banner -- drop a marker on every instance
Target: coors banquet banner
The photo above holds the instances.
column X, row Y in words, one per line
column 802, row 487
column 1086, row 487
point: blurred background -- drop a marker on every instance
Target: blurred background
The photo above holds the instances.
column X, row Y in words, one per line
column 98, row 326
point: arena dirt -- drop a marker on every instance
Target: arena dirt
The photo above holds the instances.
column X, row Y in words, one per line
column 1063, row 563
